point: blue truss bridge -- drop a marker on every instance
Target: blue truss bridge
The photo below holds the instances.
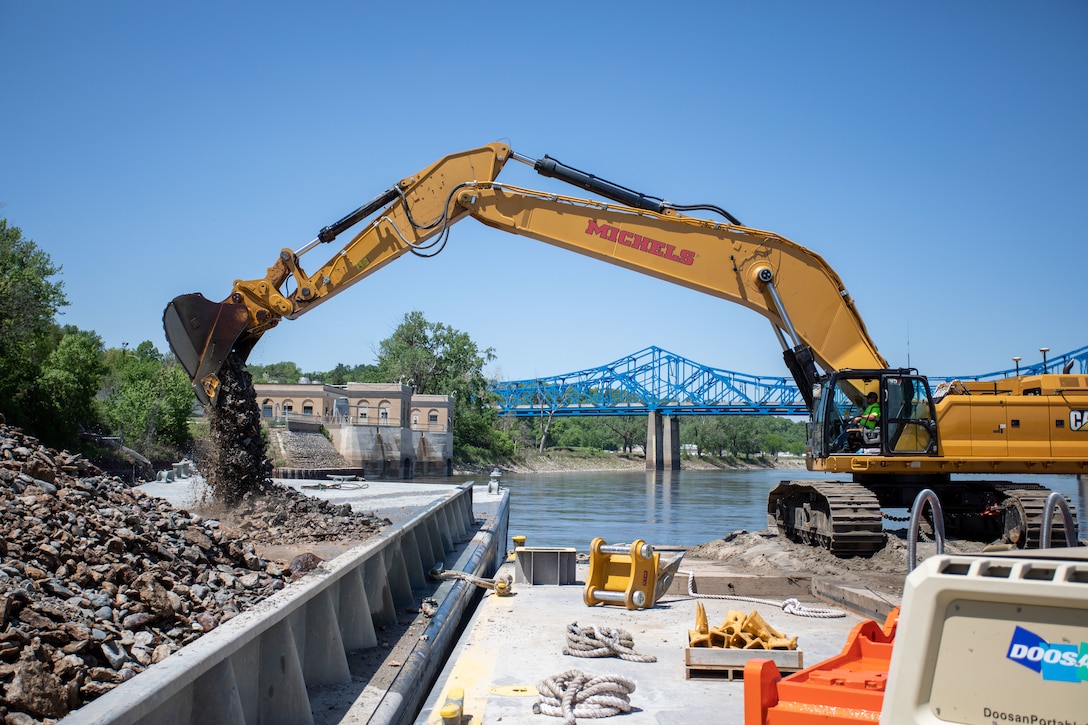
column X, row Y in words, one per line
column 656, row 380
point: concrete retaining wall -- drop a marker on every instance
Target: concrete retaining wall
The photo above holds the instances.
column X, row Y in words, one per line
column 256, row 667
column 393, row 452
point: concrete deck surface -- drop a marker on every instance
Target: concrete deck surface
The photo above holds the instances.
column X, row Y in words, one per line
column 394, row 500
column 512, row 643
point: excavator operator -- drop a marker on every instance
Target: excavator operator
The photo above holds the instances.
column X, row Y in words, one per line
column 871, row 417
column 850, row 438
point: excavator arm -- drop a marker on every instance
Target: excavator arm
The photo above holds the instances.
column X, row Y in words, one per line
column 411, row 215
column 808, row 306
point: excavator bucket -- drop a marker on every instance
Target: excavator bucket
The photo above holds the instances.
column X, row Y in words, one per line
column 202, row 334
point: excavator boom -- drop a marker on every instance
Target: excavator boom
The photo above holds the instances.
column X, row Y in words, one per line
column 641, row 233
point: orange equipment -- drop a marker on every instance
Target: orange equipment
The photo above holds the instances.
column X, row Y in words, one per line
column 845, row 689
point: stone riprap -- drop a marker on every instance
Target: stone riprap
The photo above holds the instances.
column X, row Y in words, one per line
column 305, row 449
column 98, row 580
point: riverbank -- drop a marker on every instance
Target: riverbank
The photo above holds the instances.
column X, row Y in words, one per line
column 578, row 460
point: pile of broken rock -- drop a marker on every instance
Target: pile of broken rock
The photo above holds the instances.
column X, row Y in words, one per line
column 98, row 580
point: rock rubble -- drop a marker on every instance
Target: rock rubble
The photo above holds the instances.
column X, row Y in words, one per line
column 98, row 580
column 306, row 449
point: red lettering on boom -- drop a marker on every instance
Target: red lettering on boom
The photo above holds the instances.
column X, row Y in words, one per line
column 641, row 243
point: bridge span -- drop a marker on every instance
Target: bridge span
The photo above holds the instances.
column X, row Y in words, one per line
column 663, row 385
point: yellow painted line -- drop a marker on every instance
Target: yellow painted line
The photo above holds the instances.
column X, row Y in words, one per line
column 474, row 668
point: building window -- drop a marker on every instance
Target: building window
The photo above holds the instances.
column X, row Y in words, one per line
column 266, row 411
column 415, row 420
column 307, row 410
column 432, row 418
column 384, row 413
column 287, row 408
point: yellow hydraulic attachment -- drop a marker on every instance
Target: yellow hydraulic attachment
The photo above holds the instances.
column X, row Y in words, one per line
column 629, row 574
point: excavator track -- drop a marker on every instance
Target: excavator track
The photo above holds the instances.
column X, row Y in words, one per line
column 842, row 517
column 1024, row 507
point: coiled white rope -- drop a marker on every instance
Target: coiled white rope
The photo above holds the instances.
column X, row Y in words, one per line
column 574, row 694
column 789, row 606
column 602, row 642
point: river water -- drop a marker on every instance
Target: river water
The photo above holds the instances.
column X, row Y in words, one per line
column 664, row 508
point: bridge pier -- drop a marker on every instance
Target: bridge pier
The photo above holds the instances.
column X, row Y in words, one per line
column 662, row 442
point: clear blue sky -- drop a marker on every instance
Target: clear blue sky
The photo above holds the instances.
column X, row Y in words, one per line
column 154, row 149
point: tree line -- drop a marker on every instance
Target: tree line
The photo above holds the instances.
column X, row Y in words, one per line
column 719, row 436
column 63, row 385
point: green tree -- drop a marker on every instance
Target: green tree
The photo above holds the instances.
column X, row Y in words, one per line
column 67, row 385
column 629, row 429
column 343, row 374
column 741, row 434
column 29, row 300
column 436, row 359
column 148, row 400
column 774, row 443
column 281, row 372
column 712, row 435
column 584, row 432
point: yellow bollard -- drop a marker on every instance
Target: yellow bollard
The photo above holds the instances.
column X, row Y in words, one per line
column 453, row 709
column 519, row 541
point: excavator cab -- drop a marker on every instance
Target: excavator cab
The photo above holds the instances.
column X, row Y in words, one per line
column 845, row 408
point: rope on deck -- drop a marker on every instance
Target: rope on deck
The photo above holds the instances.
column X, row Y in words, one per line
column 503, row 586
column 789, row 606
column 574, row 694
column 602, row 642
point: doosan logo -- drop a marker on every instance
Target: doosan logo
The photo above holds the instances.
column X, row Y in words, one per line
column 1057, row 662
column 641, row 243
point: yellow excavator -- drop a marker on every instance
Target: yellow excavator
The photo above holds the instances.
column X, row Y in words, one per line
column 920, row 438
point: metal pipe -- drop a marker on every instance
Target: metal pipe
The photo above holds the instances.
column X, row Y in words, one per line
column 926, row 496
column 645, row 551
column 781, row 338
column 766, row 276
column 1055, row 499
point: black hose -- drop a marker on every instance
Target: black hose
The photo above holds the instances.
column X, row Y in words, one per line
column 556, row 169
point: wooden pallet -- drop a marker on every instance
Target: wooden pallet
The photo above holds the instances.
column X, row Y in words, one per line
column 728, row 664
column 729, row 674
